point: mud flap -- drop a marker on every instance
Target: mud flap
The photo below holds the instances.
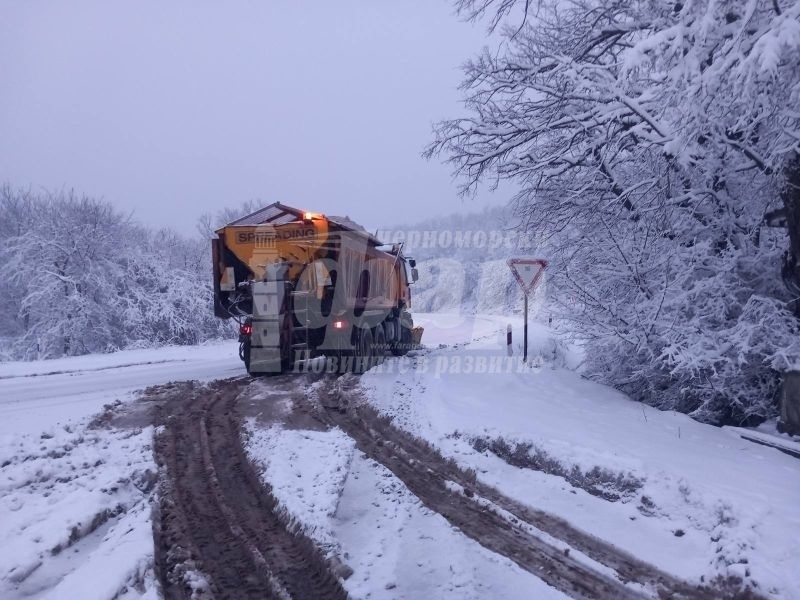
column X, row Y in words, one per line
column 271, row 327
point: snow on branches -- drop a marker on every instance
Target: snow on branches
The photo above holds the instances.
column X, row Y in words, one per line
column 648, row 140
column 77, row 277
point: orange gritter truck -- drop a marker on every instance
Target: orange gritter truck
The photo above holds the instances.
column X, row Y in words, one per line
column 303, row 285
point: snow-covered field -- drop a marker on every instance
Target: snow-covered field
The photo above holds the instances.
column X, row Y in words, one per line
column 695, row 500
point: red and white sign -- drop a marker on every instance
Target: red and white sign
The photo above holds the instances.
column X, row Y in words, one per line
column 527, row 271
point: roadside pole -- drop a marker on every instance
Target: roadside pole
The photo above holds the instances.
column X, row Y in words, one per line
column 525, row 333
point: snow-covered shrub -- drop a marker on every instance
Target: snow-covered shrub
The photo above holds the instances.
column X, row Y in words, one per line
column 713, row 346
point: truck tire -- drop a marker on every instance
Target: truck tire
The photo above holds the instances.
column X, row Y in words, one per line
column 244, row 352
column 363, row 356
column 401, row 347
column 379, row 346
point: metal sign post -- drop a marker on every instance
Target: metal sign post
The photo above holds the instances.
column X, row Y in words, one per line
column 527, row 272
column 525, row 333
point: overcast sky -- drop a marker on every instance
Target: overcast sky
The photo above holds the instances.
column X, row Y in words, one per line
column 171, row 109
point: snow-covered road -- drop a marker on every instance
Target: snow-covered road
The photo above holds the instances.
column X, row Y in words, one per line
column 696, row 501
column 38, row 395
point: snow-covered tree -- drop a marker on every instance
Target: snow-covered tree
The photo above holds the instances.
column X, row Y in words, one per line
column 208, row 223
column 76, row 276
column 648, row 140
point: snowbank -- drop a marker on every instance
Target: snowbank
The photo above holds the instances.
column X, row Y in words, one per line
column 696, row 500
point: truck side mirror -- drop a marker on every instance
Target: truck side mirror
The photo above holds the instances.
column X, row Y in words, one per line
column 412, row 263
column 414, row 275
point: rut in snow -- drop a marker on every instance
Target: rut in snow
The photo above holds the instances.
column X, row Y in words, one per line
column 494, row 520
column 218, row 531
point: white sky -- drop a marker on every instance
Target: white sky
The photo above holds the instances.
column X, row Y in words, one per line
column 171, row 109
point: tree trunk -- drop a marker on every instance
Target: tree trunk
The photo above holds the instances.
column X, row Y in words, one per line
column 790, row 194
column 789, row 421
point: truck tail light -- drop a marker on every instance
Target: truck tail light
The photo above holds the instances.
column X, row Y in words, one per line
column 246, row 329
column 339, row 324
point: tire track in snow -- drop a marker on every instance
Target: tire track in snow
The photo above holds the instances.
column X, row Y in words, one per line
column 494, row 520
column 215, row 518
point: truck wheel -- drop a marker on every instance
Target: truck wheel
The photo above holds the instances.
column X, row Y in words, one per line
column 244, row 353
column 401, row 347
column 379, row 346
column 343, row 362
column 362, row 361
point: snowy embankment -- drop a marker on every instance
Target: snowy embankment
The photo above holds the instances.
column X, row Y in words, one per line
column 695, row 500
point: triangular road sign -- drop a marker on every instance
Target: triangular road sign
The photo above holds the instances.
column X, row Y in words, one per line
column 527, row 271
